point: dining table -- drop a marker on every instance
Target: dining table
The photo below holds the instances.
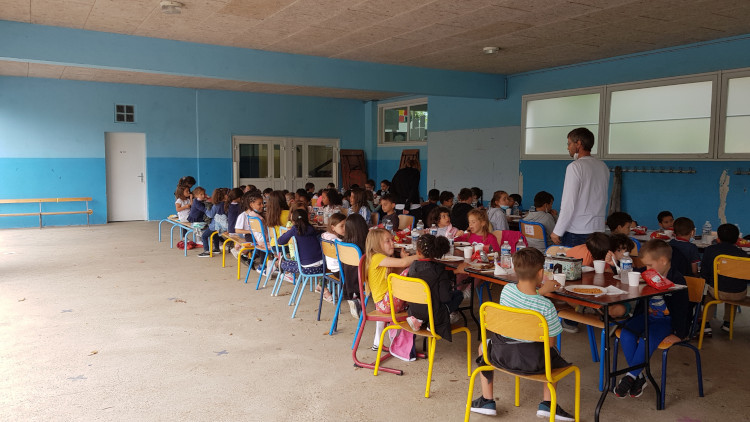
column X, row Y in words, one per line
column 642, row 293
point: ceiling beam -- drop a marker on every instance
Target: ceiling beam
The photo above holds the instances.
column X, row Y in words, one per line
column 102, row 50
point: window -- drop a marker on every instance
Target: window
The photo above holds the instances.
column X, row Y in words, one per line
column 402, row 122
column 661, row 120
column 124, row 113
column 736, row 128
column 548, row 121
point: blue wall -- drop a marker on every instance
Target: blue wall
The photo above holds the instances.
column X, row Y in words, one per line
column 52, row 137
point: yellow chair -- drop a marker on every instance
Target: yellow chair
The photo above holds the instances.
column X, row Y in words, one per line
column 522, row 324
column 414, row 290
column 405, row 220
column 728, row 266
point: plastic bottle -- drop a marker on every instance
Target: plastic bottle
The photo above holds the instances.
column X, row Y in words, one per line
column 706, row 229
column 626, row 266
column 520, row 245
column 389, row 226
column 548, row 268
column 420, row 227
column 506, row 261
column 433, row 230
column 516, row 210
column 414, row 236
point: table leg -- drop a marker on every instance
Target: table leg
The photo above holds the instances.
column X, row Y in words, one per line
column 607, row 367
column 648, row 359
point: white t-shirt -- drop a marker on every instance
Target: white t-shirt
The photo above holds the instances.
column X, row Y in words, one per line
column 332, row 264
column 182, row 215
column 583, row 208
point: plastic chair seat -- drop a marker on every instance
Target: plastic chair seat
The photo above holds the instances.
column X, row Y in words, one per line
column 556, row 374
column 587, row 319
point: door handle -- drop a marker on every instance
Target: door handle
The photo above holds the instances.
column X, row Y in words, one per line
column 141, row 176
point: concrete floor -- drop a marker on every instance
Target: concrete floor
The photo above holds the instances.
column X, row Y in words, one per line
column 105, row 323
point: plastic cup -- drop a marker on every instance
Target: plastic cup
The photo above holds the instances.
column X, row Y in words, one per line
column 560, row 278
column 509, row 211
column 468, row 251
column 599, row 266
column 634, row 278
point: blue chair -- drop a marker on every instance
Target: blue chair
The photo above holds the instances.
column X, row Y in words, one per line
column 264, row 247
column 306, row 275
column 349, row 254
column 534, row 230
column 335, row 283
column 288, row 266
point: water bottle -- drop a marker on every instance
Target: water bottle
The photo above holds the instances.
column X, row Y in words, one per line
column 433, row 230
column 414, row 236
column 389, row 226
column 420, row 226
column 516, row 211
column 548, row 265
column 506, row 260
column 520, row 245
column 626, row 266
column 451, row 251
column 706, row 230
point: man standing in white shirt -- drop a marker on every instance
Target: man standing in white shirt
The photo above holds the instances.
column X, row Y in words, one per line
column 583, row 208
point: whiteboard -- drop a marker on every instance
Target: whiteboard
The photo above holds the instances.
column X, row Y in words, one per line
column 486, row 158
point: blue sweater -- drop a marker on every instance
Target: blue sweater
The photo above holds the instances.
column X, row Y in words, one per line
column 232, row 213
column 197, row 211
column 308, row 244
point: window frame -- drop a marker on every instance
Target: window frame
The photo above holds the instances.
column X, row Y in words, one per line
column 712, row 77
column 558, row 94
column 398, row 104
column 725, row 76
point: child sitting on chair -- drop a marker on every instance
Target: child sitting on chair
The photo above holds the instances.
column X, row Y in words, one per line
column 667, row 317
column 521, row 356
column 445, row 299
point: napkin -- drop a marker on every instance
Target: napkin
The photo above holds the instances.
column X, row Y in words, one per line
column 612, row 290
column 586, row 269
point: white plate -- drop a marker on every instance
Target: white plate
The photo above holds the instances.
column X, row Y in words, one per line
column 461, row 244
column 600, row 290
column 451, row 258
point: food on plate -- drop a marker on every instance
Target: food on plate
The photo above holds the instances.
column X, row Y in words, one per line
column 743, row 243
column 586, row 290
column 640, row 230
column 662, row 236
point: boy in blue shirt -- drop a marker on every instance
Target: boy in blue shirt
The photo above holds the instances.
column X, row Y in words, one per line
column 667, row 318
column 684, row 230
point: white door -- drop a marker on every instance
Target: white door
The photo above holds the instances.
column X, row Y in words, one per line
column 125, row 158
column 316, row 161
column 259, row 161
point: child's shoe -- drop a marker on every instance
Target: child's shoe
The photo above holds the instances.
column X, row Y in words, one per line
column 560, row 414
column 354, row 307
column 623, row 388
column 455, row 317
column 484, row 406
column 204, row 254
column 568, row 327
column 725, row 326
column 638, row 386
column 414, row 323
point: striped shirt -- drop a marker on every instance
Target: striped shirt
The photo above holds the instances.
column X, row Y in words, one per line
column 514, row 298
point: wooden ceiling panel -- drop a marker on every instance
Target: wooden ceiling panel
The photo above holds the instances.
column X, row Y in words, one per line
column 14, row 10
column 9, row 68
column 256, row 9
column 485, row 16
column 388, row 8
column 67, row 13
column 489, row 31
column 38, row 70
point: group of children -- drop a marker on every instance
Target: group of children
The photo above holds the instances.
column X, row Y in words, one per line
column 668, row 315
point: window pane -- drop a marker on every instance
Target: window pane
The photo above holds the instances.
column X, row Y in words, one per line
column 298, row 160
column 575, row 111
column 664, row 137
column 418, row 122
column 319, row 161
column 395, row 124
column 553, row 140
column 737, row 130
column 674, row 119
column 253, row 161
column 683, row 101
column 548, row 122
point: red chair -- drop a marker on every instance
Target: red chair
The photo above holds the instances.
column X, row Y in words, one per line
column 374, row 316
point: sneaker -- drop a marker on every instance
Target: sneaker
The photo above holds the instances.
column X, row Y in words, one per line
column 708, row 332
column 484, row 406
column 217, row 251
column 289, row 277
column 354, row 307
column 568, row 327
column 414, row 323
column 467, row 293
column 244, row 260
column 455, row 317
column 623, row 388
column 374, row 348
column 234, row 252
column 560, row 414
column 638, row 386
column 725, row 327
column 204, row 254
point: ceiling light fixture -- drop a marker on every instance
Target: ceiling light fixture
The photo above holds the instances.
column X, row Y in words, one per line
column 491, row 50
column 169, row 7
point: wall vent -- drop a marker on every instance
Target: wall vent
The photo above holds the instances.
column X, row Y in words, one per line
column 124, row 113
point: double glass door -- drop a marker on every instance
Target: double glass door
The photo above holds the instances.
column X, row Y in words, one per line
column 284, row 163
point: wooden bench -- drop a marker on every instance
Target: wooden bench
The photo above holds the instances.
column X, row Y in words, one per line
column 175, row 222
column 41, row 213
